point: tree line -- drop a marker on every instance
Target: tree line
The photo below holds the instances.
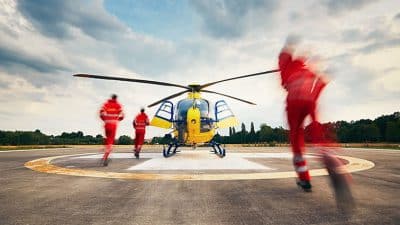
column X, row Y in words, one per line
column 38, row 138
column 385, row 128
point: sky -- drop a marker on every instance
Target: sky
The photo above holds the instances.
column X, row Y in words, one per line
column 43, row 43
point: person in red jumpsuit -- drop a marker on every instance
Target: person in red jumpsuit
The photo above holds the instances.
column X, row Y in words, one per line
column 303, row 89
column 139, row 123
column 111, row 113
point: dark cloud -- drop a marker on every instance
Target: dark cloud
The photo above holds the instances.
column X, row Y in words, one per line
column 395, row 42
column 55, row 18
column 352, row 35
column 373, row 39
column 229, row 18
column 37, row 71
column 9, row 58
column 397, row 16
column 4, row 85
column 359, row 35
column 391, row 69
column 338, row 6
column 295, row 16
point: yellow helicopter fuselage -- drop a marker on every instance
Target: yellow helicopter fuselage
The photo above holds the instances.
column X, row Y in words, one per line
column 192, row 124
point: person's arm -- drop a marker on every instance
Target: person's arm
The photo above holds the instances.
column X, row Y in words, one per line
column 121, row 116
column 286, row 57
column 102, row 113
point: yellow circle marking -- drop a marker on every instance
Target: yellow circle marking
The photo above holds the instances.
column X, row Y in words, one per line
column 44, row 165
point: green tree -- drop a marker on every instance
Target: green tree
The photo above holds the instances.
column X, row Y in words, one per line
column 280, row 135
column 125, row 140
column 393, row 131
column 252, row 134
column 243, row 134
column 266, row 133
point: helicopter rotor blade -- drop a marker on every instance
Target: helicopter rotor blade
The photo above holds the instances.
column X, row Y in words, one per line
column 169, row 97
column 131, row 80
column 242, row 100
column 239, row 77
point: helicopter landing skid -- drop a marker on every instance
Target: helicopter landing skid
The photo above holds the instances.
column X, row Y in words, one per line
column 217, row 149
column 171, row 149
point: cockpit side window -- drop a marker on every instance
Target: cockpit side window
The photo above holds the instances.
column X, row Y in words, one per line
column 182, row 108
column 203, row 106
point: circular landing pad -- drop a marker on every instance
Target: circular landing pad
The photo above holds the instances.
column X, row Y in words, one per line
column 187, row 165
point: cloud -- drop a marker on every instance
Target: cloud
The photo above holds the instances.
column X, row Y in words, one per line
column 56, row 18
column 397, row 17
column 10, row 58
column 381, row 32
column 337, row 7
column 375, row 46
column 231, row 18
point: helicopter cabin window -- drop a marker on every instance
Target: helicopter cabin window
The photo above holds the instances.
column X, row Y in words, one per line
column 203, row 105
column 223, row 111
column 165, row 111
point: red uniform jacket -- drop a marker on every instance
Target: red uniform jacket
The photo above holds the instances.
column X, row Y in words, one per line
column 111, row 112
column 140, row 122
column 297, row 79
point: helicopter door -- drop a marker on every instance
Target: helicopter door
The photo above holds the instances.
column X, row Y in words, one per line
column 163, row 116
column 224, row 116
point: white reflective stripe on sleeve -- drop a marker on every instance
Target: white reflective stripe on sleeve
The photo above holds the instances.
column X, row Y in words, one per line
column 301, row 169
column 110, row 121
column 109, row 114
column 113, row 114
column 313, row 84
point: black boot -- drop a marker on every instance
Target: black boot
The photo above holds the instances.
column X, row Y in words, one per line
column 105, row 162
column 305, row 185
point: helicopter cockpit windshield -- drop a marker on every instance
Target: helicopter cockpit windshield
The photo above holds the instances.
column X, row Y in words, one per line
column 202, row 104
column 185, row 104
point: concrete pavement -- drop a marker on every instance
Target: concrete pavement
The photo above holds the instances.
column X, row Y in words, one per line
column 31, row 197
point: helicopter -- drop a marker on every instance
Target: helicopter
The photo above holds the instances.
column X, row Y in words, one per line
column 190, row 118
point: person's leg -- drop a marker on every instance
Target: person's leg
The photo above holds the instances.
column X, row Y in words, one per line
column 107, row 148
column 110, row 130
column 296, row 115
column 136, row 141
column 140, row 141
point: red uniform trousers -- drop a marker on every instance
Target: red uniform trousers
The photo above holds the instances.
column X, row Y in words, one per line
column 297, row 111
column 301, row 102
column 139, row 140
column 110, row 132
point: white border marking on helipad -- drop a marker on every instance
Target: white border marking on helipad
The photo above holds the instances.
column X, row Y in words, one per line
column 44, row 165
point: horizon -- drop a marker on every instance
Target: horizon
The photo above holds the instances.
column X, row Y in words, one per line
column 238, row 130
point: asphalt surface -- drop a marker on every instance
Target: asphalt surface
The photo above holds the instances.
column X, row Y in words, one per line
column 31, row 197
